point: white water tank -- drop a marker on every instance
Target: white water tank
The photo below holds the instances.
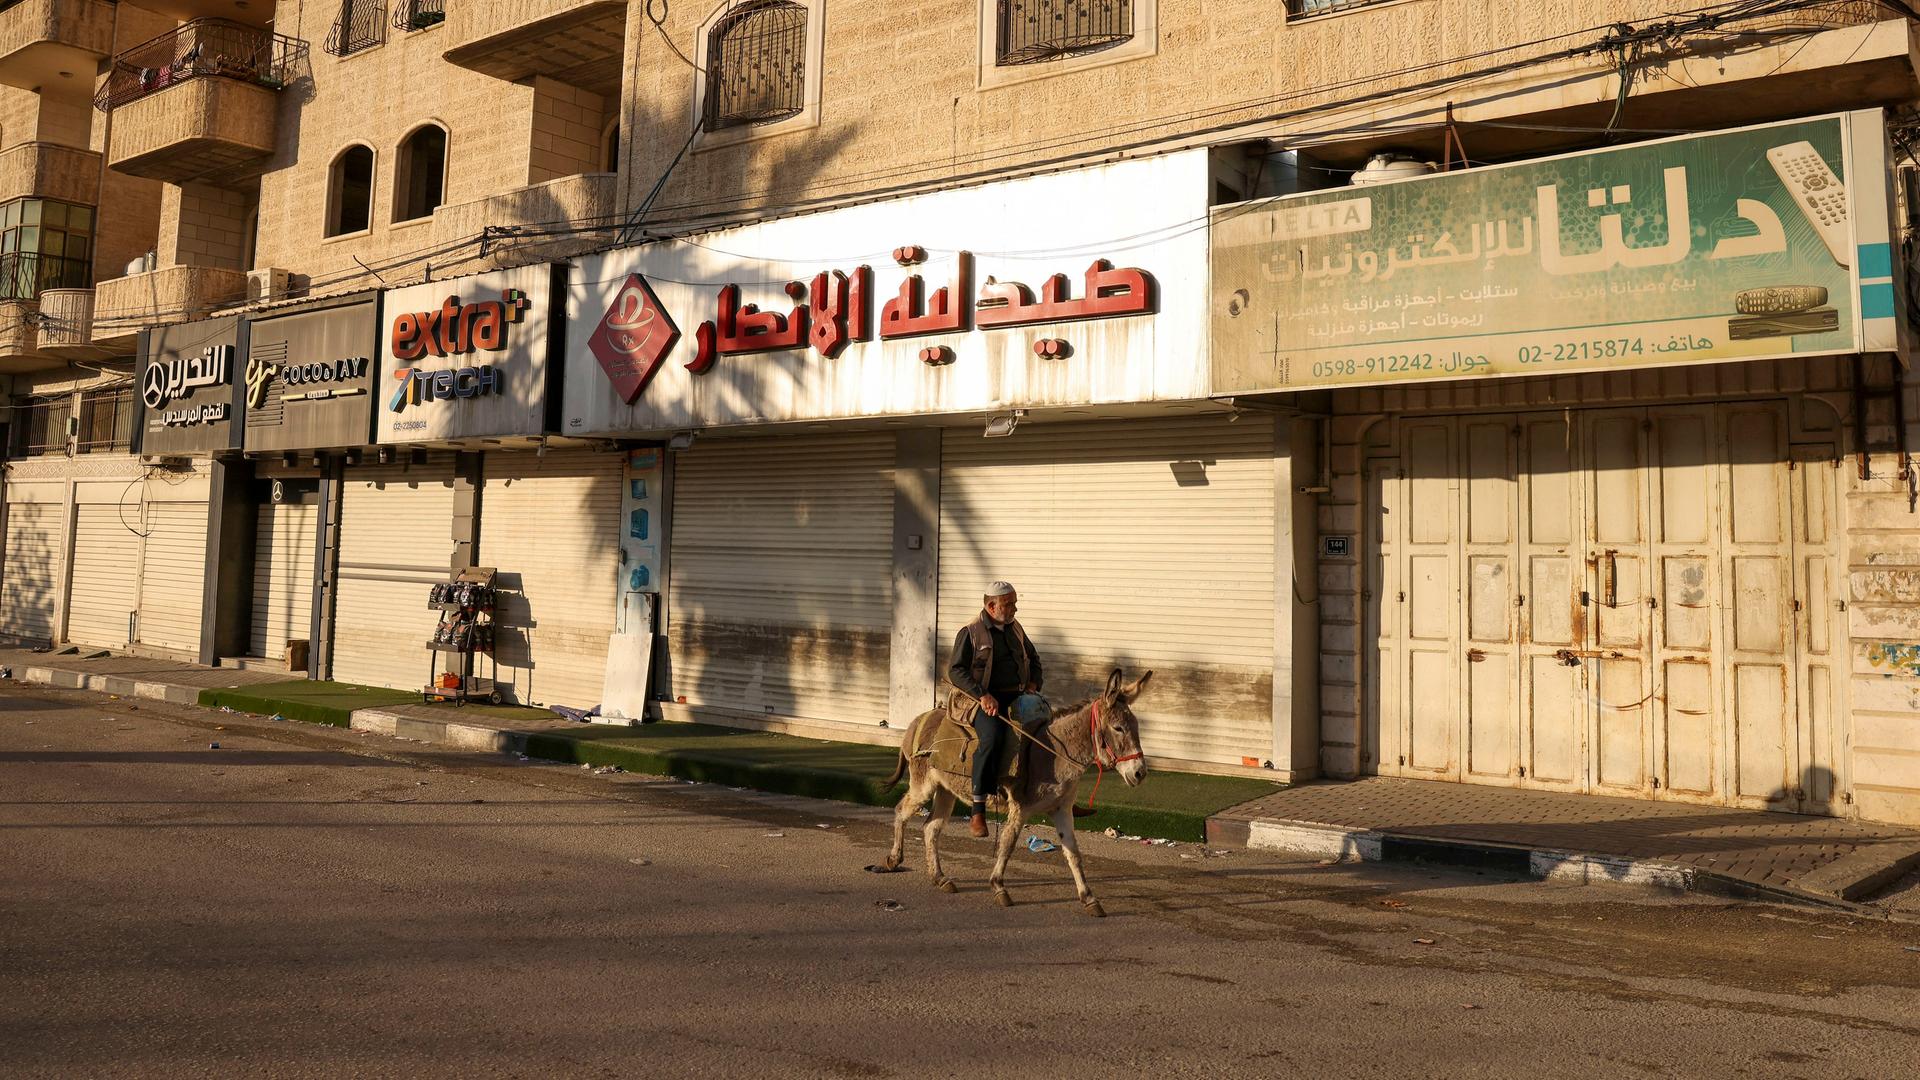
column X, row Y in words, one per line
column 1382, row 168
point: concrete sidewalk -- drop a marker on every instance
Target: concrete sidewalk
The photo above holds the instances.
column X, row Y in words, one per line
column 1569, row 837
column 127, row 676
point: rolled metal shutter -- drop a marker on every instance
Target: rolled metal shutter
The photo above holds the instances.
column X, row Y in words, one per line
column 32, row 571
column 551, row 527
column 782, row 577
column 283, row 546
column 1133, row 544
column 396, row 541
column 173, row 575
column 104, row 590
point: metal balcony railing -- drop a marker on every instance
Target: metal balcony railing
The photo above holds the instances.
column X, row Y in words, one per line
column 202, row 48
column 411, row 15
column 1035, row 31
column 24, row 275
column 361, row 24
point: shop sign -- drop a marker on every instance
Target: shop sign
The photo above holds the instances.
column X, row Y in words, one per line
column 188, row 387
column 1759, row 243
column 1059, row 290
column 467, row 358
column 309, row 376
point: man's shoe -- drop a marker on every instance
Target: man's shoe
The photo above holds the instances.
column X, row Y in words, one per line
column 977, row 825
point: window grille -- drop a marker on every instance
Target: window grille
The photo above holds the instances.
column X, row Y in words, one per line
column 411, row 15
column 757, row 65
column 201, row 48
column 1298, row 8
column 40, row 425
column 1035, row 31
column 106, row 420
column 361, row 24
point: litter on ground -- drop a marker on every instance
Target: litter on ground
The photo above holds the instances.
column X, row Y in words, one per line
column 1037, row 845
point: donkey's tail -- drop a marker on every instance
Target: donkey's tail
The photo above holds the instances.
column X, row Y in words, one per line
column 899, row 770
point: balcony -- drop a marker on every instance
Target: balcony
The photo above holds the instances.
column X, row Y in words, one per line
column 578, row 44
column 175, row 294
column 50, row 171
column 66, row 326
column 587, row 199
column 47, row 43
column 198, row 103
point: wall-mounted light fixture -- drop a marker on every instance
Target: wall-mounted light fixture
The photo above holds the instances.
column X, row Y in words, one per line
column 1003, row 424
column 681, row 440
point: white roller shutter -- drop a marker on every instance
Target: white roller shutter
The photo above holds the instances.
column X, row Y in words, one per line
column 173, row 576
column 551, row 527
column 32, row 571
column 105, row 587
column 782, row 577
column 1133, row 544
column 396, row 541
column 283, row 544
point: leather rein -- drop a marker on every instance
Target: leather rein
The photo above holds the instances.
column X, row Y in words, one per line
column 1100, row 764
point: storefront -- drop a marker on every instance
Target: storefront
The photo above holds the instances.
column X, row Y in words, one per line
column 311, row 379
column 1591, row 488
column 843, row 491
column 465, row 475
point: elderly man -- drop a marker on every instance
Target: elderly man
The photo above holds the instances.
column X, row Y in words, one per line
column 995, row 663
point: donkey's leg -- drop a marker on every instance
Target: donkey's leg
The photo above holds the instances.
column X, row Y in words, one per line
column 1070, row 847
column 942, row 810
column 1009, row 836
column 915, row 798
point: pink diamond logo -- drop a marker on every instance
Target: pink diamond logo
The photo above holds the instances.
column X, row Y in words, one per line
column 633, row 338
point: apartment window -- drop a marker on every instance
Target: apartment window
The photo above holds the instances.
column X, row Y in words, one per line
column 1299, row 8
column 44, row 244
column 361, row 24
column 411, row 15
column 420, row 176
column 610, row 146
column 350, row 191
column 106, row 420
column 1036, row 31
column 756, row 65
column 40, row 425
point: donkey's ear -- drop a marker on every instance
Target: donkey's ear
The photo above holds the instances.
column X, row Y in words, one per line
column 1139, row 684
column 1113, row 682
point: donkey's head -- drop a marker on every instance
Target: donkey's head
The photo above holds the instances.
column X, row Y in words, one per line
column 1116, row 733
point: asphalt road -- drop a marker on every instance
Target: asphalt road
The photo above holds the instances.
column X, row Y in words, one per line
column 307, row 902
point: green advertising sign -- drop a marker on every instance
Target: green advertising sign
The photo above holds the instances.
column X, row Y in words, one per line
column 1734, row 245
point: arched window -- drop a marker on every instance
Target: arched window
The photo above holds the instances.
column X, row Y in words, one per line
column 610, row 146
column 756, row 65
column 420, row 173
column 350, row 191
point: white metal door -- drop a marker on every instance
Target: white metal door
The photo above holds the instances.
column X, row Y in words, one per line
column 284, row 538
column 1430, row 599
column 782, row 577
column 551, row 527
column 32, row 571
column 173, row 576
column 105, row 587
column 1137, row 544
column 396, row 542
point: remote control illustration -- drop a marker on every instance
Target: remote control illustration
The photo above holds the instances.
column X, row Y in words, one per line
column 1822, row 198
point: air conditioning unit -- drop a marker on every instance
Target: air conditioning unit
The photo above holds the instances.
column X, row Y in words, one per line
column 269, row 283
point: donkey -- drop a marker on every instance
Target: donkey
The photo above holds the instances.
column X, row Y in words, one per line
column 1101, row 731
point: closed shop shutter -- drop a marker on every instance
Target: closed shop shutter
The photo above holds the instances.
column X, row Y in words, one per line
column 1133, row 544
column 396, row 541
column 551, row 527
column 105, row 588
column 32, row 584
column 283, row 545
column 782, row 577
column 173, row 576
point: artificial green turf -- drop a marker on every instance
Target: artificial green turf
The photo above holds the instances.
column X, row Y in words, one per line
column 303, row 699
column 1169, row 804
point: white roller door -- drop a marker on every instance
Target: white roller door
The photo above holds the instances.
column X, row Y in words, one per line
column 551, row 527
column 782, row 577
column 396, row 541
column 1134, row 544
column 173, row 576
column 105, row 588
column 283, row 545
column 32, row 571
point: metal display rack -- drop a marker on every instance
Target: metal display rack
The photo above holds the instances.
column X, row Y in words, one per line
column 466, row 629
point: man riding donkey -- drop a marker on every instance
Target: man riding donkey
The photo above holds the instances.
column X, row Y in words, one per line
column 995, row 663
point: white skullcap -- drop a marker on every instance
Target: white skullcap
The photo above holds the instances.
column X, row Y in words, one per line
column 999, row 588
